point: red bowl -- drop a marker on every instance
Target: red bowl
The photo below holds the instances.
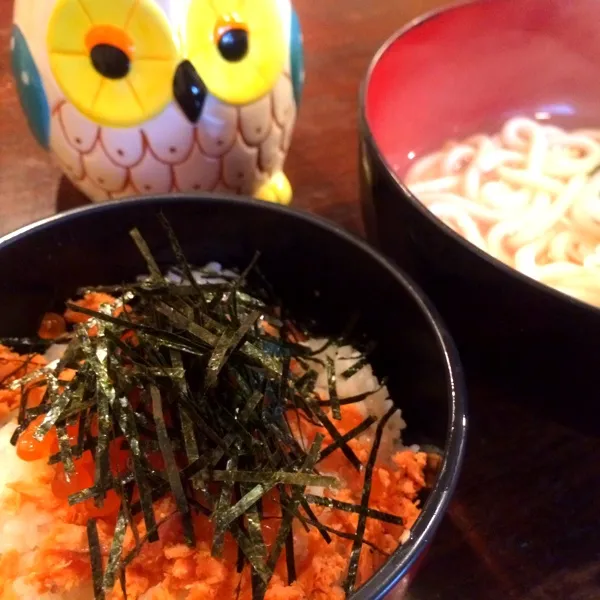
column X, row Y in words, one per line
column 469, row 68
column 448, row 75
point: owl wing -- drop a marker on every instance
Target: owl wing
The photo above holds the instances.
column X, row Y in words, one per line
column 30, row 88
column 296, row 57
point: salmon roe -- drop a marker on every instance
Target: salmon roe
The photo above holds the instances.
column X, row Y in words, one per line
column 29, row 449
column 81, row 479
column 52, row 326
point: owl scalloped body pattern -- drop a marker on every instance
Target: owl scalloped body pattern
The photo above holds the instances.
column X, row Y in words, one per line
column 157, row 96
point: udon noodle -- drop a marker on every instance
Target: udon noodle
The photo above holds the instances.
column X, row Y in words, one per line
column 528, row 195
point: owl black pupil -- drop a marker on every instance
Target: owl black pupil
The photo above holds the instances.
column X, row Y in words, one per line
column 233, row 44
column 110, row 61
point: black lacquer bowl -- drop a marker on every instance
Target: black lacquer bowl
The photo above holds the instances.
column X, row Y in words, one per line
column 318, row 270
column 449, row 75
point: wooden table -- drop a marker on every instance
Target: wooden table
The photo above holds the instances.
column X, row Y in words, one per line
column 524, row 522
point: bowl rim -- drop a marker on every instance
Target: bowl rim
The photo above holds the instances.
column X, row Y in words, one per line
column 367, row 136
column 436, row 505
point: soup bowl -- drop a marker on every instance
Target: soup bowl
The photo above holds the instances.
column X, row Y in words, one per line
column 318, row 270
column 451, row 74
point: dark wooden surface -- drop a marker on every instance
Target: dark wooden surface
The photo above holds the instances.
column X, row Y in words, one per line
column 525, row 521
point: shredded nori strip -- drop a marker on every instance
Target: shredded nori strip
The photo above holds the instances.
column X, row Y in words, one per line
column 333, row 395
column 313, row 522
column 252, row 554
column 180, row 256
column 153, row 533
column 128, row 427
column 66, row 455
column 33, row 375
column 352, row 399
column 337, row 437
column 344, row 439
column 172, row 470
column 350, row 580
column 281, row 477
column 187, row 425
column 116, row 551
column 223, row 501
column 354, row 508
column 169, row 339
column 84, row 424
column 210, row 339
column 225, row 346
column 355, row 368
column 153, row 267
column 290, row 556
column 253, row 526
column 125, row 496
column 286, row 523
column 362, row 362
column 226, row 517
column 24, row 391
column 95, row 559
column 59, row 402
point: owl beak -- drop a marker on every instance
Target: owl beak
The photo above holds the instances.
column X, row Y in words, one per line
column 189, row 91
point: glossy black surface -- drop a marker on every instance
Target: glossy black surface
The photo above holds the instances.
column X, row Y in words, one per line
column 110, row 61
column 317, row 269
column 189, row 90
column 233, row 44
column 508, row 328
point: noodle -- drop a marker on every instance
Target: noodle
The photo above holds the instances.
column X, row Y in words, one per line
column 528, row 195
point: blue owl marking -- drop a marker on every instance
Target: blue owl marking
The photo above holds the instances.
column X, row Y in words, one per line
column 297, row 57
column 30, row 89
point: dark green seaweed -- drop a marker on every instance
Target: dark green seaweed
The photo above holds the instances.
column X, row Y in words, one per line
column 333, row 395
column 344, row 439
column 337, row 437
column 350, row 580
column 352, row 399
column 354, row 508
column 356, row 367
column 181, row 259
column 95, row 559
column 116, row 551
column 253, row 526
column 142, row 246
column 223, row 502
column 172, row 469
column 286, row 523
column 129, row 429
column 281, row 477
column 313, row 522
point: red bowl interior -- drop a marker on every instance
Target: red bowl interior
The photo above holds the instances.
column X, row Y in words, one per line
column 469, row 68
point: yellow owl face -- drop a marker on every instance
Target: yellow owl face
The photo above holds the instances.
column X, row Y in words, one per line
column 121, row 62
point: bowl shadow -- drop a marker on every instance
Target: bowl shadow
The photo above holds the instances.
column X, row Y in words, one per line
column 68, row 196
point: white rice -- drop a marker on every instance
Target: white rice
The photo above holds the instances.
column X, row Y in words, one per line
column 25, row 531
column 376, row 405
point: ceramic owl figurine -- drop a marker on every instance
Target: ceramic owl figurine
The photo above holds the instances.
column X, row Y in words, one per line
column 158, row 96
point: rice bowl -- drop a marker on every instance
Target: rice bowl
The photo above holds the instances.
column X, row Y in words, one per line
column 214, row 221
column 67, row 535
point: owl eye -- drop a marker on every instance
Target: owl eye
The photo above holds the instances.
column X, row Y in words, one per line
column 238, row 48
column 233, row 43
column 110, row 61
column 113, row 59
